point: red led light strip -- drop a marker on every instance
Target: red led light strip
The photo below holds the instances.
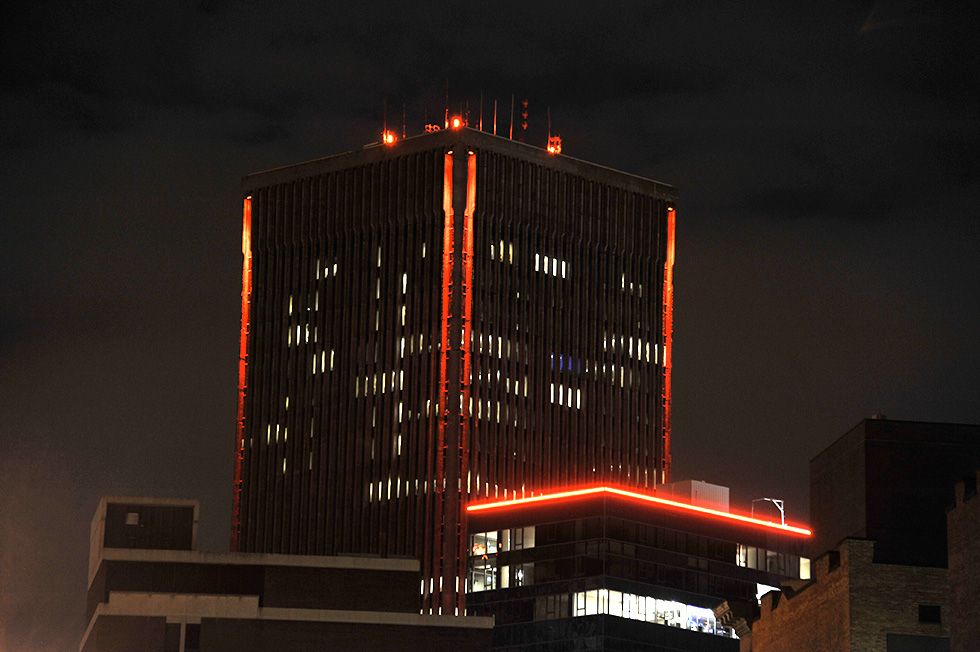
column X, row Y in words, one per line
column 436, row 565
column 464, row 376
column 242, row 368
column 668, row 325
column 666, row 502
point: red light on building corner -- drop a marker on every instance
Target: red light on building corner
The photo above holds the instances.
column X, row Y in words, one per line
column 646, row 498
column 456, row 122
column 388, row 137
column 554, row 145
column 237, row 481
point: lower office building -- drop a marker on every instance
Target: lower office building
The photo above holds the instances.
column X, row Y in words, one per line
column 606, row 568
column 150, row 590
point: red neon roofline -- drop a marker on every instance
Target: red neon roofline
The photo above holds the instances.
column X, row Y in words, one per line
column 791, row 529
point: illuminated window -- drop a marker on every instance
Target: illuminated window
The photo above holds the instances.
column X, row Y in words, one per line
column 523, row 574
column 518, row 538
column 483, row 576
column 565, row 396
column 132, row 518
column 550, row 265
column 804, row 568
column 649, row 609
column 483, row 543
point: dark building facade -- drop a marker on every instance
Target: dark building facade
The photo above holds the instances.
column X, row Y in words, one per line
column 450, row 318
column 891, row 481
column 963, row 522
column 609, row 569
column 879, row 497
column 150, row 591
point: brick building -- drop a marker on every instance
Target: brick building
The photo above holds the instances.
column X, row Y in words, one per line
column 964, row 567
column 855, row 603
column 878, row 502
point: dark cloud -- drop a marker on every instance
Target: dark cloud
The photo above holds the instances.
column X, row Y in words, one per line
column 827, row 269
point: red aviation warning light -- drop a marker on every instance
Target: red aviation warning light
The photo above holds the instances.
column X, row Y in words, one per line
column 554, row 145
column 388, row 137
column 456, row 122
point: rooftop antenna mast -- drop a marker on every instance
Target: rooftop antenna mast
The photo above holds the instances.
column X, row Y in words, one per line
column 404, row 122
column 481, row 110
column 511, row 135
column 524, row 120
column 447, row 104
column 494, row 116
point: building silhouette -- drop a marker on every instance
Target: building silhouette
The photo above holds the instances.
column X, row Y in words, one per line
column 891, row 481
column 151, row 589
column 892, row 545
column 447, row 318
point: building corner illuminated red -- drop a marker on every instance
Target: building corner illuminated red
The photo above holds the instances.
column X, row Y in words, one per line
column 668, row 336
column 444, row 563
column 242, row 370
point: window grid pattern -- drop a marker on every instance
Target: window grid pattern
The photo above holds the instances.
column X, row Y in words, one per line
column 346, row 442
column 599, row 415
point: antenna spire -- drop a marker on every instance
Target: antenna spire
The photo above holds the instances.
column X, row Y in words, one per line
column 524, row 120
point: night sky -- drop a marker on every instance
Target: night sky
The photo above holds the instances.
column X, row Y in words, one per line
column 828, row 257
